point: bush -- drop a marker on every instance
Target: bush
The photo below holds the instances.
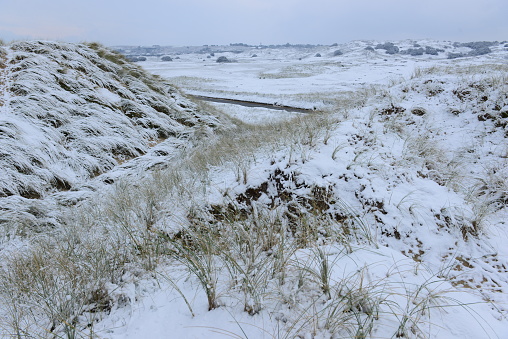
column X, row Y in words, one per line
column 166, row 58
column 432, row 51
column 392, row 50
column 477, row 44
column 479, row 51
column 223, row 59
column 389, row 47
column 478, row 48
column 318, row 55
column 133, row 58
column 337, row 52
column 475, row 52
column 414, row 51
column 369, row 48
column 386, row 45
column 455, row 55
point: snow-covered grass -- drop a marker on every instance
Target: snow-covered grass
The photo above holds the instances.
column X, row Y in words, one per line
column 75, row 112
column 384, row 217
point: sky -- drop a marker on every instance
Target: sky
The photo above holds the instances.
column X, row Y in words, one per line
column 200, row 22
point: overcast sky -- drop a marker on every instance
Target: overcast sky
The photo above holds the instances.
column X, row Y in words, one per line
column 199, row 22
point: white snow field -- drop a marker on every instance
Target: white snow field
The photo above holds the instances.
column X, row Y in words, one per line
column 129, row 210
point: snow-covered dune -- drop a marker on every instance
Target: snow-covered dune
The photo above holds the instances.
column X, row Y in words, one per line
column 71, row 112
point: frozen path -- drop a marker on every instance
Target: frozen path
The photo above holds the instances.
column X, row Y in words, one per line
column 273, row 106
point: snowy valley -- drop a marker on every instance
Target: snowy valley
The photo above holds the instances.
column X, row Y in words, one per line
column 129, row 208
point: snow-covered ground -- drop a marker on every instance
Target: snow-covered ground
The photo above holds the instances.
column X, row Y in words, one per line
column 412, row 171
column 295, row 76
column 388, row 205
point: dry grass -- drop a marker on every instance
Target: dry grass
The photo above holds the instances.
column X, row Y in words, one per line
column 58, row 281
column 461, row 70
column 63, row 273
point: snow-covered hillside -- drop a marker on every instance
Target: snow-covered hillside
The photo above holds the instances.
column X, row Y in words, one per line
column 72, row 112
column 382, row 214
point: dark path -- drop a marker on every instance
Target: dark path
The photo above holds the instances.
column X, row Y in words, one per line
column 254, row 104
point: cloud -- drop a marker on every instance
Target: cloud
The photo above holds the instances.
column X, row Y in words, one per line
column 186, row 22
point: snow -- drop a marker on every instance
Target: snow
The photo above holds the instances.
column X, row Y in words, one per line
column 254, row 115
column 162, row 311
column 410, row 202
column 426, row 188
column 293, row 76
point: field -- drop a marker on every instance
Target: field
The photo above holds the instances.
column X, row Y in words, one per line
column 380, row 212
